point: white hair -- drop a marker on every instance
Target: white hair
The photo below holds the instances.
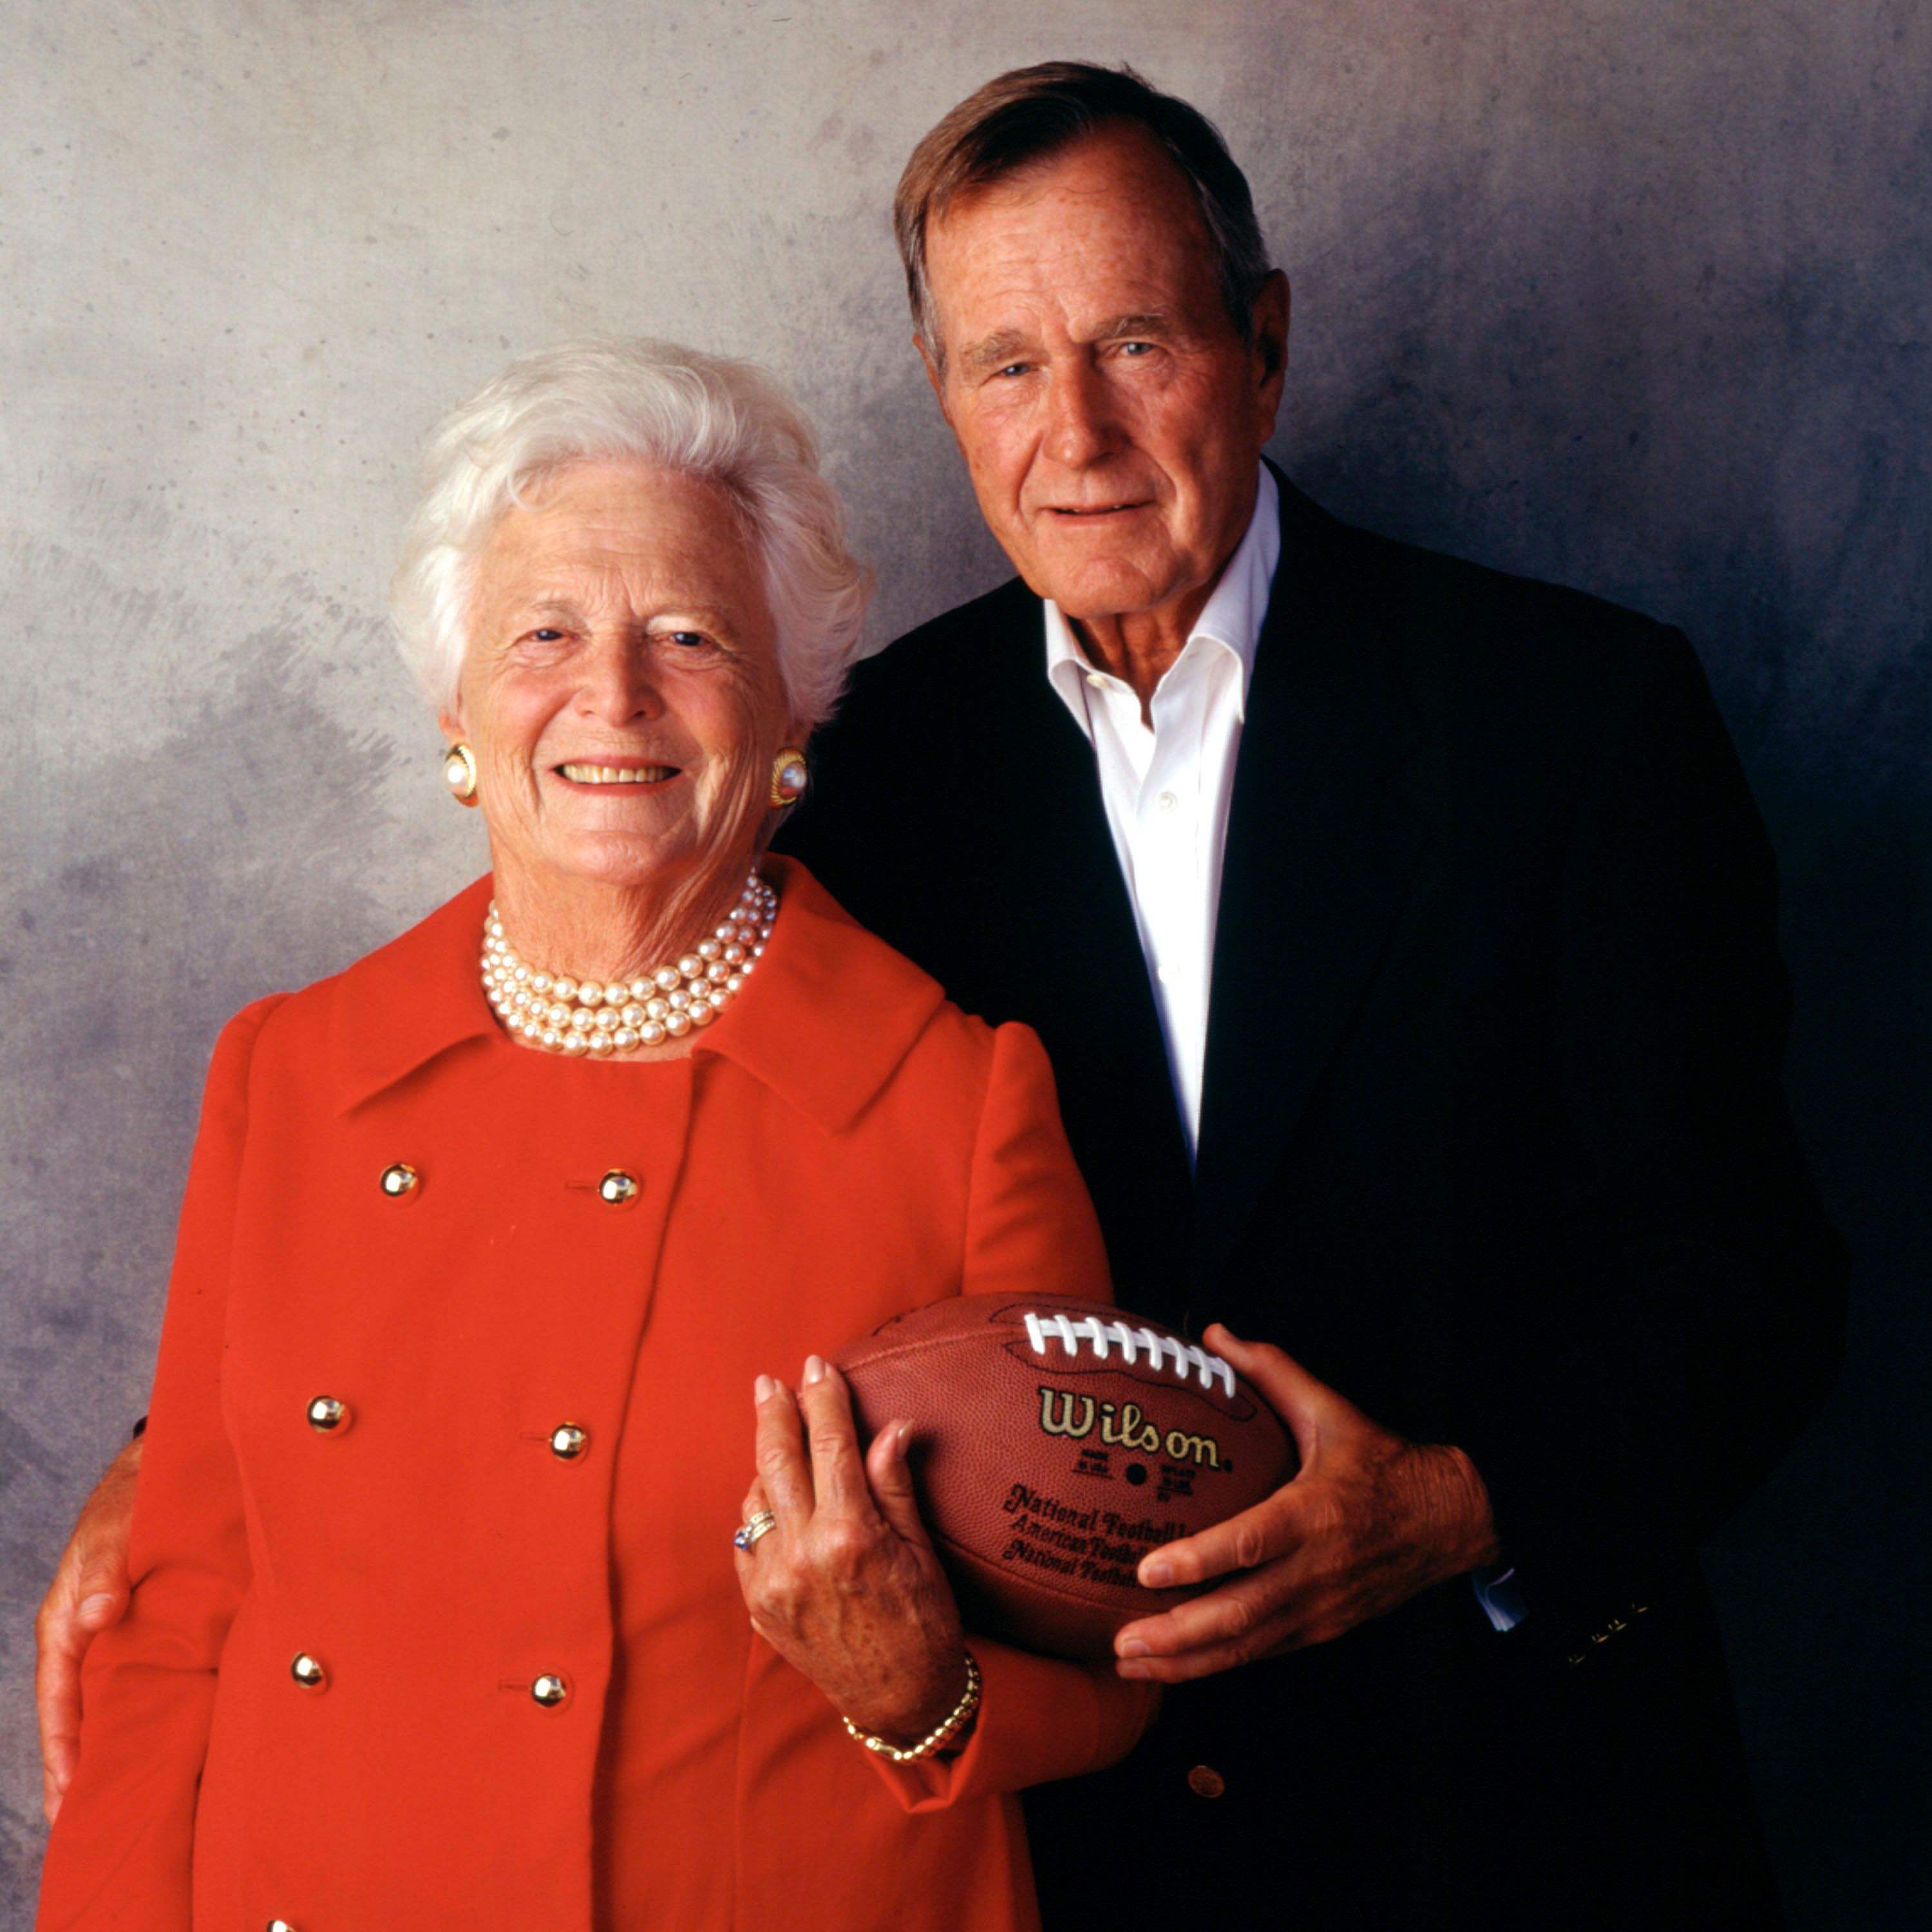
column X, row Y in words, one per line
column 701, row 416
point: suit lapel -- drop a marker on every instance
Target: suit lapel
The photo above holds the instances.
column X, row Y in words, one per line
column 1091, row 1001
column 1318, row 860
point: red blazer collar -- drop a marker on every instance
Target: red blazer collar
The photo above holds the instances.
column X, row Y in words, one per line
column 825, row 1021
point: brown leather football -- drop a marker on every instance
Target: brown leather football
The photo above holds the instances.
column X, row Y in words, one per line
column 1055, row 1442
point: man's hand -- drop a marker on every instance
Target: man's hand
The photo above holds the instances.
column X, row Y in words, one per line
column 89, row 1592
column 1369, row 1519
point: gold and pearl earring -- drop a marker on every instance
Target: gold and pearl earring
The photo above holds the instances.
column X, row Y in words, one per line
column 459, row 773
column 788, row 777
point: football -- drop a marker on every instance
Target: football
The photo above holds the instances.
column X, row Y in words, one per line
column 1055, row 1442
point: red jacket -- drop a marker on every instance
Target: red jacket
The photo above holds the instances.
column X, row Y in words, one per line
column 842, row 1144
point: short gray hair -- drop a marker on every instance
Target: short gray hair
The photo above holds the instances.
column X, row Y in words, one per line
column 614, row 398
column 1031, row 114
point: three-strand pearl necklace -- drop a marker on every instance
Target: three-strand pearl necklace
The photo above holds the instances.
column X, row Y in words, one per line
column 599, row 1018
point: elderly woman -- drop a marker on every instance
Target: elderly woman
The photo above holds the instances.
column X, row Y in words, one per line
column 493, row 1246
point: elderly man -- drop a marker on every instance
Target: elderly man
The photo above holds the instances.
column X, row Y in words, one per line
column 1402, row 936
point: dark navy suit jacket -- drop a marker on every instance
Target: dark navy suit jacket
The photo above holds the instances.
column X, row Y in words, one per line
column 1491, row 1139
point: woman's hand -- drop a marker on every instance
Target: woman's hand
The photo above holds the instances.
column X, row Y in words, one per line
column 847, row 1588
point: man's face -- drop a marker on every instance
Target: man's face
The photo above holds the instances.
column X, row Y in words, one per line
column 1110, row 414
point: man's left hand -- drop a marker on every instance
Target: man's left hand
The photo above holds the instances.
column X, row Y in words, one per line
column 1370, row 1519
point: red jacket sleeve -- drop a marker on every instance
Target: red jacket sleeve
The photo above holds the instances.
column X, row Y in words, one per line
column 1030, row 1225
column 121, row 1852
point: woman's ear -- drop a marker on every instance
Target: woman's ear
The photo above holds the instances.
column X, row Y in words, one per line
column 448, row 723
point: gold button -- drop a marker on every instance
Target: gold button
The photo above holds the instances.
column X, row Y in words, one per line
column 567, row 1442
column 329, row 1415
column 618, row 1188
column 308, row 1672
column 280, row 1925
column 400, row 1180
column 1205, row 1781
column 550, row 1691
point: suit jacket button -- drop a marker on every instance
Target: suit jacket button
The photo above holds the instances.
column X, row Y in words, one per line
column 618, row 1188
column 280, row 1925
column 308, row 1672
column 329, row 1415
column 400, row 1181
column 567, row 1442
column 1206, row 1782
column 550, row 1691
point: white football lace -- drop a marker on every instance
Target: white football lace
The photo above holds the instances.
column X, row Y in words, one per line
column 1071, row 1330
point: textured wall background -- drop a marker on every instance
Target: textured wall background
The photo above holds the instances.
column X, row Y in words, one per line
column 1630, row 292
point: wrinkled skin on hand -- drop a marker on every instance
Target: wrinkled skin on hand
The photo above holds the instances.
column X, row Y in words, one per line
column 89, row 1593
column 847, row 1588
column 1369, row 1519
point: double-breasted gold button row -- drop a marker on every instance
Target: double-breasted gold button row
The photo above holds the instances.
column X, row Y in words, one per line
column 550, row 1691
column 401, row 1182
column 330, row 1415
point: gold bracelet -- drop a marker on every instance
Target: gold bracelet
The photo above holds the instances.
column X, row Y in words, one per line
column 942, row 1734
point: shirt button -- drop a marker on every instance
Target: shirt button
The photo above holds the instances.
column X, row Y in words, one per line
column 308, row 1672
column 1205, row 1781
column 618, row 1188
column 550, row 1691
column 567, row 1442
column 329, row 1415
column 1167, row 801
column 400, row 1180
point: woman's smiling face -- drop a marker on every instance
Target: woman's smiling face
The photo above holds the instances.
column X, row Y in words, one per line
column 621, row 689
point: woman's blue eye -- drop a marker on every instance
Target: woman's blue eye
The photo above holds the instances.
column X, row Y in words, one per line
column 546, row 636
column 688, row 638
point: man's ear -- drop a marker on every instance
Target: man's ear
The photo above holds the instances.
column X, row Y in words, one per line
column 1270, row 346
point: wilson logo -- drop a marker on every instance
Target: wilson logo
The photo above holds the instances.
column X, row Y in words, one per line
column 1063, row 1413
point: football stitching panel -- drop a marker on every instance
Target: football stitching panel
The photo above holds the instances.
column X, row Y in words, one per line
column 1090, row 1328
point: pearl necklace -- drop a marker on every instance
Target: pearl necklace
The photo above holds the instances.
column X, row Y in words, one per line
column 599, row 1018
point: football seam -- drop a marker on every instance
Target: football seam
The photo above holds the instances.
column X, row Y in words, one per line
column 1047, row 1364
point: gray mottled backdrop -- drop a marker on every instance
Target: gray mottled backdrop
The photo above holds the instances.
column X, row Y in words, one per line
column 1630, row 293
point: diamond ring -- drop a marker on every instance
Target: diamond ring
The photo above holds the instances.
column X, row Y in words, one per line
column 748, row 1532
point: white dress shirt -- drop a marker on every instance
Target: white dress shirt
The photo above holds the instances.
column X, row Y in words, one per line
column 1167, row 788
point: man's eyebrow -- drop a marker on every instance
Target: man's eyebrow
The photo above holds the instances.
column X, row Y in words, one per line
column 993, row 352
column 1009, row 345
column 1151, row 322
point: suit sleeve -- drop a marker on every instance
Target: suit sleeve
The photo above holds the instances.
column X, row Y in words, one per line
column 1714, row 1289
column 120, row 1851
column 1030, row 1225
